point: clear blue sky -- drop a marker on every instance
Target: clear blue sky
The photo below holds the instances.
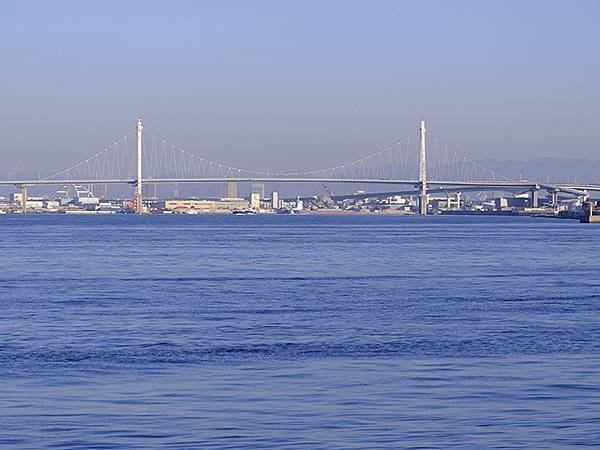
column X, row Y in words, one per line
column 282, row 84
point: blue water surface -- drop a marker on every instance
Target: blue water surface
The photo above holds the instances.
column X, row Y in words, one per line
column 187, row 332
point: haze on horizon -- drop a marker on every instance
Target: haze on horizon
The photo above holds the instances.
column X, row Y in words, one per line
column 283, row 85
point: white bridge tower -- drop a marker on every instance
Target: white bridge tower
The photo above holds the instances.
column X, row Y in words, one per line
column 423, row 197
column 139, row 203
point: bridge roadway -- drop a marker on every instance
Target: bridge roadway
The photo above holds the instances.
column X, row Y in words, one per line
column 569, row 188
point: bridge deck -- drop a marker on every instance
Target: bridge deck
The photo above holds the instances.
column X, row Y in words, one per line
column 484, row 185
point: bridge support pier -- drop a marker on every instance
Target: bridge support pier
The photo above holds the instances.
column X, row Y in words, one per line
column 554, row 198
column 453, row 201
column 535, row 198
column 423, row 203
column 24, row 198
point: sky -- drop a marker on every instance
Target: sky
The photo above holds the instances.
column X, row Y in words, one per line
column 298, row 84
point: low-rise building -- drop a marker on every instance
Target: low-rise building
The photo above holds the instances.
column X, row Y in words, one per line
column 206, row 205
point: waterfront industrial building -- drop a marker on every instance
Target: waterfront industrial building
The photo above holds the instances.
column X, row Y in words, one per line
column 225, row 205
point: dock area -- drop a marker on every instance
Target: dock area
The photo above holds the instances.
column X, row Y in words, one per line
column 590, row 219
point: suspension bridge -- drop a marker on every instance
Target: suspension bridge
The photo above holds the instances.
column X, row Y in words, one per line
column 420, row 160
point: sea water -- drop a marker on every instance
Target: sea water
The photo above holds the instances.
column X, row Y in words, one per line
column 183, row 332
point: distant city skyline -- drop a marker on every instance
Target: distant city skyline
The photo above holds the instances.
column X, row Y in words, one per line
column 285, row 86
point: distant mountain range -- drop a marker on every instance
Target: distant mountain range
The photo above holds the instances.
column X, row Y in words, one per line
column 566, row 170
